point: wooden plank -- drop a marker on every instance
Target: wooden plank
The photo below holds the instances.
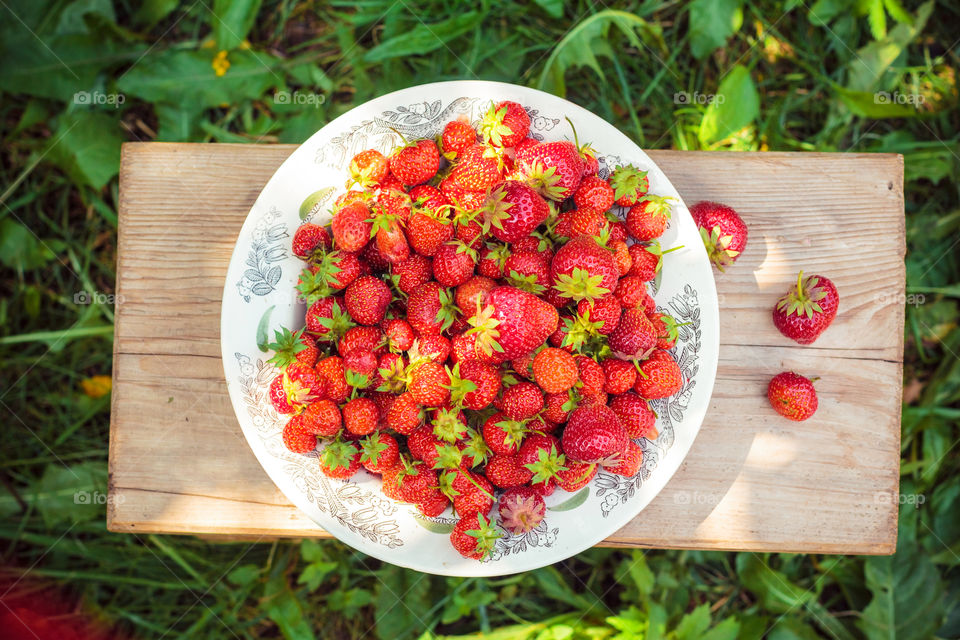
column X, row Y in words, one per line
column 179, row 462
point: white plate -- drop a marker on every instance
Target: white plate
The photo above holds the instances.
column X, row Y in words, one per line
column 262, row 276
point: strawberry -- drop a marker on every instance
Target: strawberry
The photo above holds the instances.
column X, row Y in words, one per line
column 723, row 232
column 513, row 210
column 456, row 137
column 554, row 168
column 594, row 193
column 309, row 237
column 415, row 162
column 629, row 185
column 436, row 348
column 528, row 270
column 582, row 269
column 418, row 483
column 428, row 231
column 648, row 261
column 473, row 493
column 466, row 349
column 326, row 319
column 505, row 124
column 340, row 459
column 360, row 416
column 667, row 330
column 430, row 309
column 592, row 377
column 470, row 231
column 423, row 445
column 605, row 311
column 449, row 424
column 557, row 407
column 621, row 256
column 399, row 334
column 555, row 370
column 391, row 375
column 404, row 415
column 454, row 263
column 513, row 323
column 506, row 471
column 474, row 537
column 577, row 476
column 336, row 270
column 806, row 311
column 659, row 376
column 360, row 367
column 390, row 480
column 301, row 384
column 535, row 448
column 563, row 225
column 368, row 168
column 390, row 239
column 521, row 401
column 433, row 505
column 493, row 257
column 322, row 418
column 467, row 200
column 379, row 451
column 278, row 396
column 478, row 168
column 521, row 510
column 634, row 336
column 648, row 219
column 296, row 439
column 486, row 380
column 792, row 396
column 351, row 227
column 503, row 435
column 631, row 292
column 333, row 374
column 587, row 222
column 472, row 295
column 474, row 448
column 620, row 375
column 412, row 272
column 429, row 384
column 370, row 338
column 594, row 434
column 636, row 415
column 293, row 347
column 367, row 299
column 629, row 463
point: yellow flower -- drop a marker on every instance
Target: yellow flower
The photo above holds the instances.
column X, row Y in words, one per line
column 220, row 63
column 97, row 386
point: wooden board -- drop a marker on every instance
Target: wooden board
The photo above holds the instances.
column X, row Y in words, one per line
column 752, row 481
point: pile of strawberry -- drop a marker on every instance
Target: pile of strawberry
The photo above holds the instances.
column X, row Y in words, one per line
column 480, row 330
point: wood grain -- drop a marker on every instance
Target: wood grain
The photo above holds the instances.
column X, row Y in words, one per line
column 752, row 481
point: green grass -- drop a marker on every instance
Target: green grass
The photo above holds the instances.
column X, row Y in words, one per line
column 796, row 77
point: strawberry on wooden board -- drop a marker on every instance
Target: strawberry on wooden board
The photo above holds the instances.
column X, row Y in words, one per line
column 806, row 311
column 723, row 232
column 792, row 396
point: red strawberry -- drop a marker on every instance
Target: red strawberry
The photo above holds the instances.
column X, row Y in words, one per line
column 594, row 434
column 521, row 401
column 456, row 137
column 333, row 374
column 555, row 168
column 473, row 493
column 587, row 222
column 436, row 348
column 404, row 415
column 521, row 510
column 474, row 537
column 418, row 483
column 667, row 330
column 577, row 476
column 592, row 377
column 430, row 309
column 555, row 370
column 513, row 323
column 485, row 378
column 792, row 396
column 648, row 261
column 629, row 185
column 367, row 299
column 293, row 347
column 370, row 338
column 360, row 416
column 339, row 268
column 368, row 168
column 723, row 232
column 351, row 226
column 424, row 444
column 309, row 237
column 322, row 418
column 361, row 368
column 296, row 439
column 659, row 377
column 506, row 471
column 433, row 505
column 391, row 481
column 528, row 270
column 505, row 124
column 620, row 375
column 391, row 376
column 493, row 257
column 399, row 334
column 636, row 415
column 536, row 447
column 416, row 162
column 454, row 263
column 278, row 396
column 477, row 169
column 470, row 231
column 634, row 337
column 340, row 459
column 582, row 269
column 429, row 384
column 631, row 292
column 648, row 219
column 606, row 311
column 629, row 463
column 514, row 210
column 301, row 384
column 412, row 272
column 594, row 193
column 379, row 451
column 327, row 319
column 503, row 435
column 428, row 231
column 557, row 407
column 807, row 310
column 467, row 200
column 390, row 239
column 472, row 295
column 465, row 349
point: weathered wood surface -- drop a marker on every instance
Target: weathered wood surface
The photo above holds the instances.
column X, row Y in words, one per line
column 752, row 481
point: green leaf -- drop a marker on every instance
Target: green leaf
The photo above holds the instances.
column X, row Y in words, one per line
column 244, row 575
column 75, row 493
column 711, row 23
column 736, row 105
column 232, row 20
column 773, row 588
column 314, row 574
column 907, row 599
column 875, row 105
column 554, row 8
column 393, row 618
column 787, row 628
column 872, row 61
column 589, row 40
column 349, row 601
column 20, row 249
column 729, row 629
column 150, row 12
column 177, row 123
column 281, row 605
column 263, row 330
column 877, row 19
column 434, row 527
column 572, row 503
column 424, row 38
column 314, row 201
column 823, row 11
column 87, row 147
column 639, row 572
column 693, row 624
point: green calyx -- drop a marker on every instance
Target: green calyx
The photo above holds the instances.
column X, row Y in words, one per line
column 336, row 325
column 525, row 282
column 547, row 465
column 581, row 332
column 448, row 457
column 286, row 345
column 484, row 326
column 492, row 127
column 718, row 247
column 371, row 448
column 394, row 377
column 447, row 425
column 458, row 387
column 804, row 299
column 448, row 310
column 514, row 430
column 580, row 285
column 339, row 454
column 545, row 180
column 486, row 536
column 656, row 249
column 628, row 181
column 658, row 206
column 476, row 448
